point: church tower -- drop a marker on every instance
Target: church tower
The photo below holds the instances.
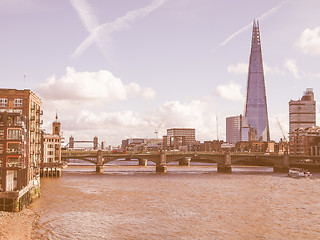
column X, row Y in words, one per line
column 56, row 126
column 256, row 102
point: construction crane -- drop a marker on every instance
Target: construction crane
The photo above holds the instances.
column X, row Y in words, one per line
column 284, row 137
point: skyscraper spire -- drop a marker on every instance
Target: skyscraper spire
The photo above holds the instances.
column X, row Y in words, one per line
column 256, row 103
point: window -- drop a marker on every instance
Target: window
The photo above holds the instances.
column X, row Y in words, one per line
column 14, row 162
column 14, row 134
column 50, row 152
column 14, row 148
column 18, row 103
column 3, row 102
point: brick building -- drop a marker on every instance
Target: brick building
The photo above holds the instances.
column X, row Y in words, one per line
column 21, row 148
column 305, row 141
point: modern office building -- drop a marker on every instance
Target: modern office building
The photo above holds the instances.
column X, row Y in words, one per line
column 233, row 129
column 302, row 113
column 238, row 130
column 21, row 148
column 256, row 101
column 178, row 138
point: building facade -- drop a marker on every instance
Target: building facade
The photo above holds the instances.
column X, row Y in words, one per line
column 180, row 138
column 233, row 129
column 52, row 145
column 256, row 101
column 28, row 104
column 13, row 151
column 305, row 141
column 302, row 113
column 21, row 148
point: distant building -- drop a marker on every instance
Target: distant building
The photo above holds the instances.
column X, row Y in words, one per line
column 256, row 102
column 52, row 145
column 302, row 113
column 211, row 146
column 130, row 143
column 95, row 143
column 21, row 152
column 141, row 144
column 180, row 137
column 255, row 146
column 305, row 141
column 238, row 130
column 233, row 129
column 103, row 146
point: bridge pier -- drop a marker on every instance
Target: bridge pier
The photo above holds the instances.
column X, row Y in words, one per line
column 143, row 162
column 185, row 161
column 161, row 164
column 283, row 165
column 225, row 167
column 99, row 166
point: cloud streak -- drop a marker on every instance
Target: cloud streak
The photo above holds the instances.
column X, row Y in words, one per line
column 291, row 65
column 101, row 34
column 248, row 26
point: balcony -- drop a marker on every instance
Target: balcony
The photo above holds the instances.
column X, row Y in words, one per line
column 14, row 151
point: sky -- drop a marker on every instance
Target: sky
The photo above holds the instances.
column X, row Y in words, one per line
column 121, row 69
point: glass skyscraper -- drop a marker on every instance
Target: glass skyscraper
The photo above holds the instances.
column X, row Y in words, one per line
column 256, row 102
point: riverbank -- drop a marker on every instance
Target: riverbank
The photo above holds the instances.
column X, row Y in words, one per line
column 17, row 225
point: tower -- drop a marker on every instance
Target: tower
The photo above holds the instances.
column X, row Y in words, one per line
column 256, row 103
column 56, row 125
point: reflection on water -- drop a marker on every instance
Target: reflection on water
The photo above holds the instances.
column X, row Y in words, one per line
column 133, row 202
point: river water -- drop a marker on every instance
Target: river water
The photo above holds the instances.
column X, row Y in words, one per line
column 196, row 202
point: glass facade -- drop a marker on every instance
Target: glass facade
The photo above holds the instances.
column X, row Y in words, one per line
column 256, row 102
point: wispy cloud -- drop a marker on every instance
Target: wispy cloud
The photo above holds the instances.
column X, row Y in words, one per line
column 291, row 65
column 242, row 68
column 248, row 26
column 101, row 34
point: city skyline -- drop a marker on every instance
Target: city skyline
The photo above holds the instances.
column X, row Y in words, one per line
column 122, row 69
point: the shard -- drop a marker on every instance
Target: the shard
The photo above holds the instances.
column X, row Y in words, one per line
column 256, row 103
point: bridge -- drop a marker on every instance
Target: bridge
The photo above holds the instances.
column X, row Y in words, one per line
column 224, row 161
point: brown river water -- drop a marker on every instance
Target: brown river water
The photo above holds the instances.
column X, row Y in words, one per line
column 196, row 202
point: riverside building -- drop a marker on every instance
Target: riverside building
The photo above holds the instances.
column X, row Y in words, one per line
column 52, row 145
column 20, row 144
column 305, row 141
column 302, row 113
column 179, row 138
